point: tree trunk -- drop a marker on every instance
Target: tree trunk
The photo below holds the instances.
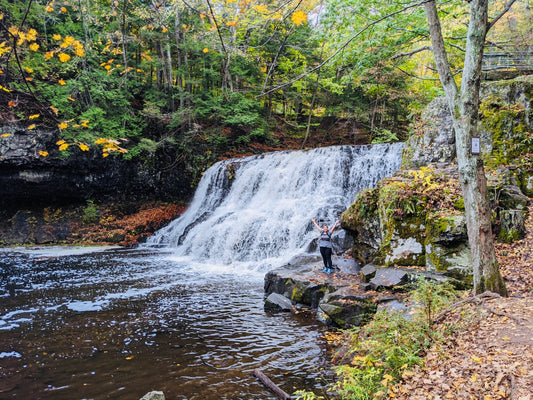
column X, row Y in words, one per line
column 464, row 108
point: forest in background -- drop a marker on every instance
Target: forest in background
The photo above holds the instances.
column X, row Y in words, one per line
column 129, row 76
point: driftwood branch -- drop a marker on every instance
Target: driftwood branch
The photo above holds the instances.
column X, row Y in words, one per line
column 479, row 300
column 271, row 385
column 473, row 299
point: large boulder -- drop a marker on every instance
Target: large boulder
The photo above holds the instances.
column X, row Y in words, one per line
column 416, row 218
column 434, row 138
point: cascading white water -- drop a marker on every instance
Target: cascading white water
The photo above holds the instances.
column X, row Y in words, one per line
column 256, row 211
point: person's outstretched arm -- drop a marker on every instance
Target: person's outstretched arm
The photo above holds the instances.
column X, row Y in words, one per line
column 334, row 226
column 317, row 227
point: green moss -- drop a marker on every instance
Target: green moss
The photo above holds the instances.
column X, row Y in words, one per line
column 459, row 204
column 512, row 137
column 297, row 294
column 509, row 236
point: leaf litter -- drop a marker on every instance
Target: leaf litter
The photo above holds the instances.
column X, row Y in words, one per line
column 487, row 351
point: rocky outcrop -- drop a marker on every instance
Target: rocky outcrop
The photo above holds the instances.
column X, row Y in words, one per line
column 416, row 218
column 29, row 178
column 340, row 299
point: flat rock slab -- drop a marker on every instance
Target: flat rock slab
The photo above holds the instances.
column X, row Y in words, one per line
column 389, row 278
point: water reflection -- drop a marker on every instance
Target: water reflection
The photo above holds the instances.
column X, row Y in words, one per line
column 116, row 324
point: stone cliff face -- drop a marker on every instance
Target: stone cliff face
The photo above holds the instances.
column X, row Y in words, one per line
column 416, row 218
column 29, row 179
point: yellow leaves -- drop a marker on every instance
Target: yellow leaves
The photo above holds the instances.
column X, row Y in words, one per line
column 55, row 110
column 64, row 57
column 68, row 41
column 110, row 146
column 49, row 8
column 83, row 147
column 473, row 378
column 48, row 55
column 4, row 89
column 43, row 153
column 4, row 48
column 29, row 70
column 4, row 135
column 299, row 17
column 31, row 127
column 107, row 67
column 386, row 380
column 62, row 82
column 202, row 15
column 79, row 51
column 56, row 36
column 231, row 23
column 70, row 98
column 31, row 35
column 34, row 116
column 130, row 358
column 476, row 359
column 63, row 9
column 34, row 47
column 261, row 8
column 62, row 125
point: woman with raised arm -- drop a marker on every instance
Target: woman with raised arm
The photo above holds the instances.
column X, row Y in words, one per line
column 325, row 245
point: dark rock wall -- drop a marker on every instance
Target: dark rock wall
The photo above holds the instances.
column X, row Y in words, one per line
column 29, row 179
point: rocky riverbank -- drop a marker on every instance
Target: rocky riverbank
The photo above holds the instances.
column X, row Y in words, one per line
column 347, row 297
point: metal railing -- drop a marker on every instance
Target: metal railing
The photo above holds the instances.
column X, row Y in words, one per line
column 497, row 58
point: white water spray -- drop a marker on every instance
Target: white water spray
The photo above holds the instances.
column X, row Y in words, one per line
column 256, row 211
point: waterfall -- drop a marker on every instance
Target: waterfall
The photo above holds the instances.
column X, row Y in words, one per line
column 256, row 211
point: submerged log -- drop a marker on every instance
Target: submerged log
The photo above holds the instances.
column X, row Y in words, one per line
column 271, row 385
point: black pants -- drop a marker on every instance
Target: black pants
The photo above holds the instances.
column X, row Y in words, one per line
column 326, row 257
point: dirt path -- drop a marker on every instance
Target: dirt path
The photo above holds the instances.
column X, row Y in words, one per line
column 488, row 354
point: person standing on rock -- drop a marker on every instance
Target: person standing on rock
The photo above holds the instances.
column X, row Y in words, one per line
column 325, row 245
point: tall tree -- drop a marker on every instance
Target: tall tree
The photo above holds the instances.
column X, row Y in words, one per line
column 463, row 102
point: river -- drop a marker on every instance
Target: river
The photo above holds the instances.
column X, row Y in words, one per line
column 115, row 324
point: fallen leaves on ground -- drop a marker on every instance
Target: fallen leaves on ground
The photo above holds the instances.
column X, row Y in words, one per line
column 487, row 352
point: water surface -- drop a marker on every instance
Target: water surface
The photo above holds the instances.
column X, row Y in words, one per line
column 115, row 324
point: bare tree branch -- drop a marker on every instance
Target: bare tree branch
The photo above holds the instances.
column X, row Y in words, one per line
column 216, row 26
column 498, row 17
column 411, row 53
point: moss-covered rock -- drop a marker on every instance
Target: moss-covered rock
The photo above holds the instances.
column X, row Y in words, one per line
column 417, row 217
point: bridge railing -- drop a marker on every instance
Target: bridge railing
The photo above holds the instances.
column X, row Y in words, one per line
column 508, row 58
